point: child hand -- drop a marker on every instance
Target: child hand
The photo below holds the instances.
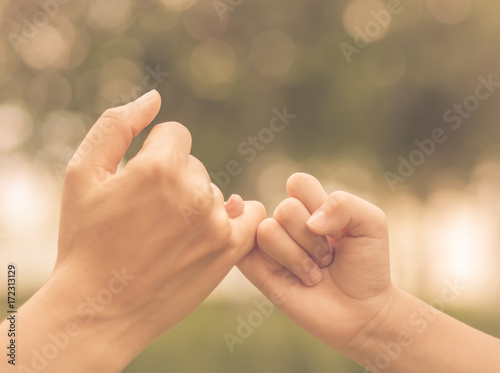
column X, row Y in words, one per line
column 339, row 243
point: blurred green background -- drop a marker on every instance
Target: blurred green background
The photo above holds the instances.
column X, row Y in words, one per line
column 224, row 69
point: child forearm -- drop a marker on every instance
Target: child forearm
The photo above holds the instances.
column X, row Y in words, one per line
column 413, row 337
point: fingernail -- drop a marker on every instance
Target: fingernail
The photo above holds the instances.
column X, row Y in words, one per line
column 317, row 220
column 315, row 275
column 147, row 96
column 326, row 259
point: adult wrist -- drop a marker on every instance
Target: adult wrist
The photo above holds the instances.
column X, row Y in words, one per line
column 56, row 335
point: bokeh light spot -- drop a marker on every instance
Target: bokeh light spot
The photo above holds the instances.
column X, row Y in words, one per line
column 449, row 11
column 367, row 20
column 46, row 50
column 15, row 127
column 273, row 52
column 204, row 25
column 385, row 65
column 105, row 15
column 213, row 62
column 26, row 195
column 178, row 5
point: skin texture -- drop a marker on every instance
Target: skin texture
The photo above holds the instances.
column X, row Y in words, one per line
column 353, row 306
column 139, row 250
column 354, row 287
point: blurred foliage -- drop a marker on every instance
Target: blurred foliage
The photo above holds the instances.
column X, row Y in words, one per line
column 228, row 70
column 226, row 74
column 278, row 345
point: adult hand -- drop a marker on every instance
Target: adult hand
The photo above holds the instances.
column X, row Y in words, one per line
column 138, row 250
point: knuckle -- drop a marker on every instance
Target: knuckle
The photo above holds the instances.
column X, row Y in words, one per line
column 338, row 200
column 220, row 229
column 181, row 129
column 258, row 210
column 157, row 128
column 71, row 173
column 153, row 173
column 296, row 180
column 115, row 114
column 266, row 230
column 340, row 197
column 302, row 265
column 153, row 170
column 379, row 217
column 202, row 199
column 287, row 209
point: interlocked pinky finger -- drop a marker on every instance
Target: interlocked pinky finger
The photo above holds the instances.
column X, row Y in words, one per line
column 274, row 240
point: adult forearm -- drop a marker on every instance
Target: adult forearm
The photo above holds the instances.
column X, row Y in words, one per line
column 54, row 335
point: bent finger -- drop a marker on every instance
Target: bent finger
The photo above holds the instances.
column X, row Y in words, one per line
column 107, row 141
column 345, row 214
column 273, row 240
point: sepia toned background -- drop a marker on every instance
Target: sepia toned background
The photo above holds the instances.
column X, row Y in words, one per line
column 396, row 101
